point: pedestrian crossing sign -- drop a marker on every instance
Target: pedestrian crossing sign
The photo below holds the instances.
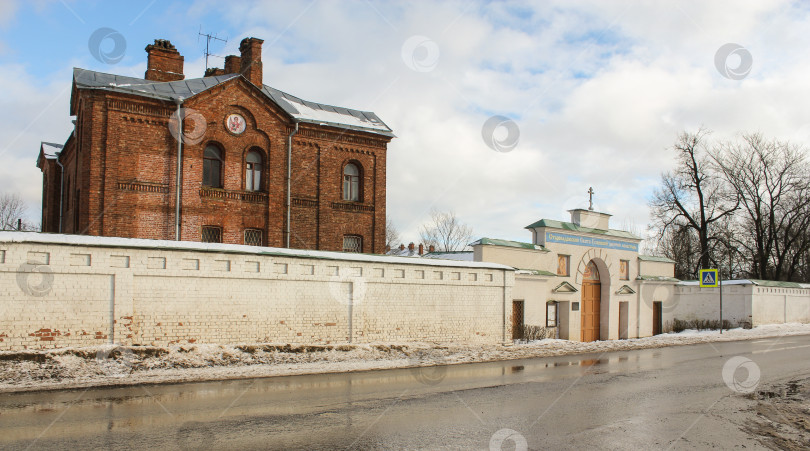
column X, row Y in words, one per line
column 708, row 278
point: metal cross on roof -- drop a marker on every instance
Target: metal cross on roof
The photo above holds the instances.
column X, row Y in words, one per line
column 590, row 198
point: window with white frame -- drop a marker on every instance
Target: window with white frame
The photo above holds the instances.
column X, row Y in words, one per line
column 351, row 182
column 253, row 171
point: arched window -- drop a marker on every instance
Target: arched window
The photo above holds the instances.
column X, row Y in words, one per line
column 253, row 171
column 351, row 183
column 212, row 166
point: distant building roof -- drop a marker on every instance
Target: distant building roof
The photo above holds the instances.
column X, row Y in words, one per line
column 461, row 256
column 301, row 110
column 507, row 243
column 403, row 252
column 552, row 224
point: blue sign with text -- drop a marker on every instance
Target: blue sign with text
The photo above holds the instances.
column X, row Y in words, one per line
column 562, row 238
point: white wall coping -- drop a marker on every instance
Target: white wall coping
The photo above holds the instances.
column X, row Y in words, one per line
column 137, row 243
column 740, row 282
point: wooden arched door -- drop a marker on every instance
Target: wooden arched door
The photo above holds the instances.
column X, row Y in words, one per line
column 591, row 303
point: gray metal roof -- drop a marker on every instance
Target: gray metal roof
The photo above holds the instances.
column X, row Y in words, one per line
column 167, row 90
column 301, row 110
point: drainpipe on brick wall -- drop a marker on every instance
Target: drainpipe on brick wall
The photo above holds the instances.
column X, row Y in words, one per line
column 289, row 178
column 61, row 191
column 178, row 186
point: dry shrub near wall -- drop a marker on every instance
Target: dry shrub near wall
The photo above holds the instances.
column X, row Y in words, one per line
column 679, row 325
column 532, row 333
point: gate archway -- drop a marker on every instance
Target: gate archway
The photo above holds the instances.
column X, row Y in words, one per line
column 591, row 303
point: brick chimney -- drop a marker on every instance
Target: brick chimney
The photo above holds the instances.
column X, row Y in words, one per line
column 410, row 248
column 164, row 62
column 251, row 60
column 402, row 247
column 432, row 248
column 421, row 249
column 233, row 64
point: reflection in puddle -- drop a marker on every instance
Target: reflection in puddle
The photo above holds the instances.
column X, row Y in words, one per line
column 592, row 362
column 516, row 369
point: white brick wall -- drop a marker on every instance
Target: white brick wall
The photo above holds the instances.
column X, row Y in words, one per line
column 54, row 294
column 750, row 303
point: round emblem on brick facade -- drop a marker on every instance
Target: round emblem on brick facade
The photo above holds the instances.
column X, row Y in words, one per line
column 235, row 123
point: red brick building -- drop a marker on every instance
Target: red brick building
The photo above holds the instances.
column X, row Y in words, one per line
column 258, row 166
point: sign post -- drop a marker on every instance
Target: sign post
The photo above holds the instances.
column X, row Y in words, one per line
column 710, row 278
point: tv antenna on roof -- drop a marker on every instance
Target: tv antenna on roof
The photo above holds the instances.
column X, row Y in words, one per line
column 208, row 38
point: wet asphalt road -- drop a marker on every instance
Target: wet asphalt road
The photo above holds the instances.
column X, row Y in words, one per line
column 648, row 399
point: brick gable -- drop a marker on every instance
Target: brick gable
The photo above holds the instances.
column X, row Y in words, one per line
column 120, row 171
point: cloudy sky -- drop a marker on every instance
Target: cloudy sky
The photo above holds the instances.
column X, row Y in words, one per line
column 593, row 92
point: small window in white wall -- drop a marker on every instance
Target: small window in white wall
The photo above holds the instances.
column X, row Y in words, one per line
column 551, row 314
column 624, row 269
column 563, row 265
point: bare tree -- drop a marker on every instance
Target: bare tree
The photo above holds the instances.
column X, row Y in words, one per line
column 771, row 180
column 645, row 247
column 391, row 234
column 445, row 232
column 693, row 199
column 679, row 243
column 12, row 212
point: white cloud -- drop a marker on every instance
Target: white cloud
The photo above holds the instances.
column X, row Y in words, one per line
column 599, row 90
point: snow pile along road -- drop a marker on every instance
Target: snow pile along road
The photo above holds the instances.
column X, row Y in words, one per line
column 116, row 365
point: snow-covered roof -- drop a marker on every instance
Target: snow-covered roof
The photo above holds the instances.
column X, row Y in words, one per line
column 319, row 113
column 459, row 256
column 655, row 258
column 51, row 150
column 397, row 252
column 301, row 110
column 508, row 243
column 552, row 224
column 101, row 241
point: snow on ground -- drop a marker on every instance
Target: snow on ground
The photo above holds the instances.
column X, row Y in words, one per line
column 111, row 365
